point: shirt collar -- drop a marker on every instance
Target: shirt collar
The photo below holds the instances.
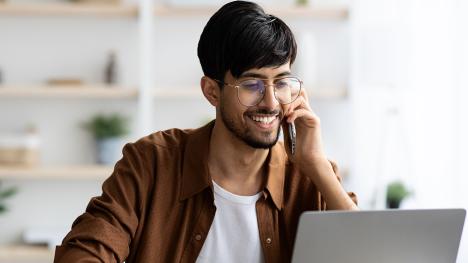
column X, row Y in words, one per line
column 195, row 172
column 276, row 173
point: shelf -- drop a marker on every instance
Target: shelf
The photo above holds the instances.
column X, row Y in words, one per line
column 68, row 91
column 331, row 93
column 131, row 11
column 69, row 9
column 111, row 92
column 25, row 253
column 328, row 13
column 92, row 172
column 175, row 93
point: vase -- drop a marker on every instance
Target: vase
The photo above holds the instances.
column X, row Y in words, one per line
column 109, row 150
column 393, row 204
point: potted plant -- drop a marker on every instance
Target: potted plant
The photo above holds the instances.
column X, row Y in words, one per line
column 108, row 132
column 5, row 194
column 396, row 192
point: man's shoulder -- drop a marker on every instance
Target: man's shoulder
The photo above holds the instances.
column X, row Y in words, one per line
column 171, row 138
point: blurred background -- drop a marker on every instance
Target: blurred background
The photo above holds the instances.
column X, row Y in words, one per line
column 79, row 78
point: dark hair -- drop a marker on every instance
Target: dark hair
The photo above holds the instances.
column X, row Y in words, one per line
column 241, row 36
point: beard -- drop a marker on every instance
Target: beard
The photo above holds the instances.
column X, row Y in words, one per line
column 263, row 140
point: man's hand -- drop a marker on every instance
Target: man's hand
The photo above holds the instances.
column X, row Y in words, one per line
column 310, row 156
column 308, row 132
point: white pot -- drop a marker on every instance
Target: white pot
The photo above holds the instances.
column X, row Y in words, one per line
column 109, row 150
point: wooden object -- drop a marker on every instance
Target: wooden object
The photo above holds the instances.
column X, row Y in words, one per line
column 97, row 2
column 68, row 9
column 24, row 253
column 65, row 82
column 79, row 91
column 66, row 172
column 19, row 156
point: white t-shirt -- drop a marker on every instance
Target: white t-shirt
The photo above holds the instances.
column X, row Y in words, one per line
column 233, row 236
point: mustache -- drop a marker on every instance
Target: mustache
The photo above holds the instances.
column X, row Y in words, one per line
column 266, row 112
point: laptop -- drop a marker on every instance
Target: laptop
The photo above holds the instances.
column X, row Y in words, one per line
column 388, row 236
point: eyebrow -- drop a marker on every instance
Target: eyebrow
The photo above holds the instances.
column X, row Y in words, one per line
column 261, row 76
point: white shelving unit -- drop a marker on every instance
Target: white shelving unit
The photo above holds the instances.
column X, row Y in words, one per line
column 67, row 9
column 325, row 13
column 117, row 92
column 72, row 175
column 68, row 91
column 70, row 172
column 144, row 94
column 131, row 11
column 37, row 254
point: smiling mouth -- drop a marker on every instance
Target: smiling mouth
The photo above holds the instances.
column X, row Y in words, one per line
column 263, row 119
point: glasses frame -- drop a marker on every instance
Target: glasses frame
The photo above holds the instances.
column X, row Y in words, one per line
column 237, row 86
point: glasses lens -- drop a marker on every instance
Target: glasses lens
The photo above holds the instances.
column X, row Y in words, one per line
column 251, row 91
column 287, row 89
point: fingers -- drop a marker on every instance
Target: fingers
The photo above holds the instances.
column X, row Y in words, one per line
column 300, row 108
column 302, row 113
column 299, row 103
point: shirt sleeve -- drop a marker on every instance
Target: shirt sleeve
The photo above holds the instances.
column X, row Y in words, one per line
column 103, row 233
column 352, row 195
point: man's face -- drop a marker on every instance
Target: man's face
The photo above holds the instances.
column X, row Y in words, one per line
column 258, row 126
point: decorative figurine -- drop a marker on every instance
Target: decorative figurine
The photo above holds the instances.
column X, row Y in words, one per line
column 110, row 71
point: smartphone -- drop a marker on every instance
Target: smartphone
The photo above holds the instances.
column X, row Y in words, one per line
column 292, row 137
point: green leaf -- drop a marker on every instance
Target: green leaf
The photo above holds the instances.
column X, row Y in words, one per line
column 397, row 191
column 102, row 126
column 3, row 208
column 8, row 192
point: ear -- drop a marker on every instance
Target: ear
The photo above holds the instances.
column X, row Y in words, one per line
column 210, row 90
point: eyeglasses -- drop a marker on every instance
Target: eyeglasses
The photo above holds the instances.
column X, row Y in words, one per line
column 250, row 92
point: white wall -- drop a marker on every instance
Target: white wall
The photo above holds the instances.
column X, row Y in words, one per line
column 408, row 92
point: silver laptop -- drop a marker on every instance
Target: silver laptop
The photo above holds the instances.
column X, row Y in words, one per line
column 393, row 236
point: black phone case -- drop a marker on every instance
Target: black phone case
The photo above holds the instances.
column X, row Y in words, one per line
column 292, row 137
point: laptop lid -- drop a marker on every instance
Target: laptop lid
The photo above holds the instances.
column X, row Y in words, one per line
column 388, row 236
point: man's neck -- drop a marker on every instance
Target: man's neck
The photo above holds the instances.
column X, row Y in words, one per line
column 234, row 165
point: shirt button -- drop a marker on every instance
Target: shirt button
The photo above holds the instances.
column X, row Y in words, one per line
column 198, row 237
column 268, row 240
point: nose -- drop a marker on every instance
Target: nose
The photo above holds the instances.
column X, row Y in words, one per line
column 269, row 100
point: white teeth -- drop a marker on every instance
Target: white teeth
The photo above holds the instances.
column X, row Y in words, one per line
column 262, row 119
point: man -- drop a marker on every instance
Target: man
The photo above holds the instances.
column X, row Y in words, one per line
column 226, row 192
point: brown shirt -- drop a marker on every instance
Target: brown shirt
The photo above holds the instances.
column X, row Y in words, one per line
column 158, row 206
